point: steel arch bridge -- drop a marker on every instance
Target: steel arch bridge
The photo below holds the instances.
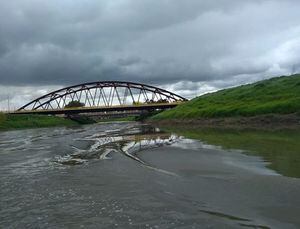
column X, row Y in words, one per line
column 103, row 96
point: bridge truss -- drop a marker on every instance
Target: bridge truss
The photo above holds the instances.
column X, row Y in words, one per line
column 103, row 94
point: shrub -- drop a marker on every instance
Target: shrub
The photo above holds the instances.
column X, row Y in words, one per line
column 74, row 103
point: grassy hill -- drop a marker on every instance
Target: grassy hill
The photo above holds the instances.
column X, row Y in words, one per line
column 280, row 95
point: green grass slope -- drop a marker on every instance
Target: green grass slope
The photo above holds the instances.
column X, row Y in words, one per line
column 8, row 122
column 280, row 95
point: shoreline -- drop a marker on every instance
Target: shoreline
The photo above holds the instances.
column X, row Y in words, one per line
column 21, row 122
column 262, row 122
column 259, row 122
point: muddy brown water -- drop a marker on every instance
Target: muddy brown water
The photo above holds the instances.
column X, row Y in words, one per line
column 131, row 175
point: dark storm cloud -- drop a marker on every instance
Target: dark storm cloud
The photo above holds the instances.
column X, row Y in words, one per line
column 161, row 42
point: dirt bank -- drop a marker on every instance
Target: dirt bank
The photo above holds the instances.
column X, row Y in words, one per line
column 270, row 121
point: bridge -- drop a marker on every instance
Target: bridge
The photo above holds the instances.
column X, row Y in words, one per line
column 103, row 97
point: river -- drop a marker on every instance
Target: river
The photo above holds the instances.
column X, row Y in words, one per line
column 131, row 175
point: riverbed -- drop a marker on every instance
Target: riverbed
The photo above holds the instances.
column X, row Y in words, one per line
column 132, row 175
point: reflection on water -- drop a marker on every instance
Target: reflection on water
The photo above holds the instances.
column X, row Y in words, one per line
column 129, row 143
column 280, row 149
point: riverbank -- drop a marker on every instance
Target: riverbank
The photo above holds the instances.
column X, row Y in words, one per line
column 267, row 122
column 11, row 122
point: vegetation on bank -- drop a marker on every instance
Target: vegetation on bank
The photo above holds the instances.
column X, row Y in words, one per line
column 280, row 95
column 23, row 121
column 8, row 122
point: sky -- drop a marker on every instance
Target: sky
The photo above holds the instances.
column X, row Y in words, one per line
column 189, row 47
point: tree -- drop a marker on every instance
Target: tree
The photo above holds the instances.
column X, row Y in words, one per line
column 74, row 103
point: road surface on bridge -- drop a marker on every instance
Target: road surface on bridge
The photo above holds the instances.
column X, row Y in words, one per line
column 149, row 107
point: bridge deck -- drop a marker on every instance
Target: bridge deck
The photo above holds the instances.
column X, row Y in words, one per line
column 152, row 106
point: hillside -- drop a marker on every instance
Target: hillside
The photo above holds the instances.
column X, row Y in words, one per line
column 280, row 95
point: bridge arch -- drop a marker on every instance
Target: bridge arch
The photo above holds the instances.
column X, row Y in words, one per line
column 103, row 94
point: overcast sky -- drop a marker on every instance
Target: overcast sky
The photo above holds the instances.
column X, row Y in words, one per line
column 190, row 47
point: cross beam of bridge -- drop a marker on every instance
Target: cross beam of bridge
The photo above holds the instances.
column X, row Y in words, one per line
column 148, row 107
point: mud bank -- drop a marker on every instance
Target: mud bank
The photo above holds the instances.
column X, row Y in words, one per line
column 269, row 122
